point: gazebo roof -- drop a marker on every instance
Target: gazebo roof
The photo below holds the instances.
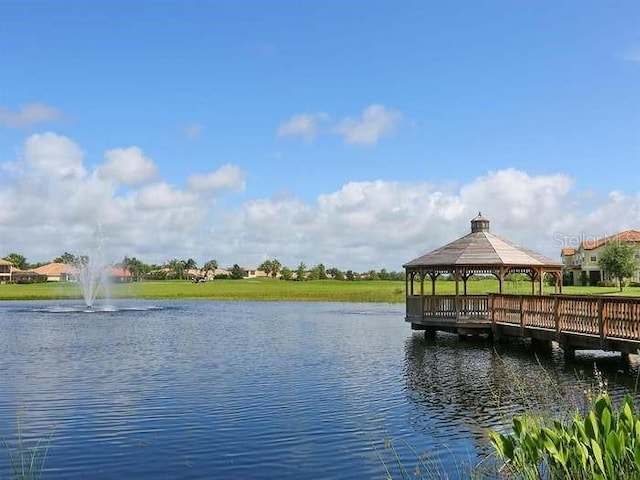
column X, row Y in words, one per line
column 482, row 249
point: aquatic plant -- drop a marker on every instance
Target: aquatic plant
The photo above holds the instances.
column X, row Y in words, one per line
column 604, row 443
column 425, row 465
column 26, row 462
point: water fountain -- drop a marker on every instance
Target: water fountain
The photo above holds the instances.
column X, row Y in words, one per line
column 92, row 273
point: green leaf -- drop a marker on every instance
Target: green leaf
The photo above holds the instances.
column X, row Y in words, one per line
column 583, row 454
column 614, row 449
column 604, row 402
column 504, row 445
column 605, row 420
column 517, row 426
column 597, row 453
column 626, row 415
column 591, row 426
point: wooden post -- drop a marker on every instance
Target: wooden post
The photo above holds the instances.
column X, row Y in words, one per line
column 541, row 281
column 522, row 315
column 422, row 295
column 457, row 305
column 533, row 283
column 601, row 323
column 556, row 313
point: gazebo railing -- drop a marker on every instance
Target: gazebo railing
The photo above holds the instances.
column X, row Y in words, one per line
column 448, row 306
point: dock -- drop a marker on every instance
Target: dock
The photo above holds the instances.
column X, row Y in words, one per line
column 575, row 322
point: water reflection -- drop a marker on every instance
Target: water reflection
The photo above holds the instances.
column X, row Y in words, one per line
column 475, row 386
column 256, row 390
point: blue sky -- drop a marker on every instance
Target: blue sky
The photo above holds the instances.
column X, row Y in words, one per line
column 358, row 134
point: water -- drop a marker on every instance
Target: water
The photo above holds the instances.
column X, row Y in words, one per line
column 255, row 390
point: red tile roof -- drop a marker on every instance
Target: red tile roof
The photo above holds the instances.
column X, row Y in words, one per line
column 568, row 251
column 118, row 272
column 628, row 236
column 53, row 269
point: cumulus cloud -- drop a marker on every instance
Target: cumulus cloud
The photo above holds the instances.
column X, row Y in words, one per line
column 52, row 204
column 162, row 196
column 376, row 122
column 378, row 224
column 128, row 166
column 52, row 155
column 304, row 125
column 226, row 178
column 30, row 114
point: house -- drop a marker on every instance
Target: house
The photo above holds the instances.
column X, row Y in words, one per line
column 57, row 272
column 250, row 272
column 26, row 276
column 581, row 265
column 119, row 274
column 6, row 268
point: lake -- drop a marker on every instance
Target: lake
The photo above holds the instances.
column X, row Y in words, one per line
column 204, row 389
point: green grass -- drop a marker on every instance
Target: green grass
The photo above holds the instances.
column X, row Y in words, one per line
column 268, row 289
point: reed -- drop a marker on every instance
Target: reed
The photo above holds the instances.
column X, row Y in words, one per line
column 26, row 459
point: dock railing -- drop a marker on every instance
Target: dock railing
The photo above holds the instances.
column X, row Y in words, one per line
column 606, row 317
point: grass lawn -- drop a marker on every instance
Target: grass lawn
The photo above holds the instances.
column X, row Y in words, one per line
column 278, row 290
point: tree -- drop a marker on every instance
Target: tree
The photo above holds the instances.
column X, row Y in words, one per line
column 318, row 272
column 266, row 267
column 617, row 259
column 275, row 267
column 17, row 260
column 236, row 272
column 335, row 273
column 190, row 264
column 135, row 266
column 211, row 265
column 286, row 273
column 67, row 258
column 301, row 272
column 177, row 267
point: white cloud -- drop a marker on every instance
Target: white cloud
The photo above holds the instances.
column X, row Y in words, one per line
column 376, row 121
column 53, row 155
column 128, row 166
column 226, row 178
column 30, row 114
column 50, row 204
column 193, row 131
column 303, row 125
column 162, row 196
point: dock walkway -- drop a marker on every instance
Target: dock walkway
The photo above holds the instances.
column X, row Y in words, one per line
column 575, row 322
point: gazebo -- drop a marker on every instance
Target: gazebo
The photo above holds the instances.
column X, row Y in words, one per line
column 478, row 252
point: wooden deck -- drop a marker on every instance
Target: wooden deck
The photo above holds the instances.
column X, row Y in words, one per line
column 576, row 322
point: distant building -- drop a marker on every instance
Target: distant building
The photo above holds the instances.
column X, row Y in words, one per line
column 581, row 265
column 119, row 274
column 57, row 272
column 6, row 268
column 250, row 272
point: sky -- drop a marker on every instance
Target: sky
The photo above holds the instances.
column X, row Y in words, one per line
column 355, row 134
